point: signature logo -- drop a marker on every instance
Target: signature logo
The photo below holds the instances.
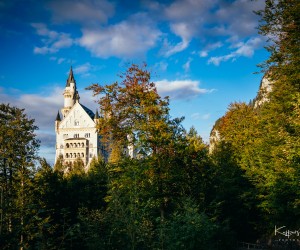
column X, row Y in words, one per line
column 286, row 232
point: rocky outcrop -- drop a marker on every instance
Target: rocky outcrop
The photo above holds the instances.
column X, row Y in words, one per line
column 265, row 89
column 262, row 97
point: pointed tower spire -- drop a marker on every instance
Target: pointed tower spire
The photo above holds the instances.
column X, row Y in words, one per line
column 70, row 78
column 58, row 117
column 97, row 114
column 71, row 95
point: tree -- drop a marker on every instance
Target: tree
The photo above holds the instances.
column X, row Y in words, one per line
column 133, row 112
column 280, row 24
column 18, row 148
column 280, row 116
column 143, row 191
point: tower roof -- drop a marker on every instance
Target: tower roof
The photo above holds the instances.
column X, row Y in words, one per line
column 96, row 115
column 70, row 78
column 58, row 117
column 88, row 111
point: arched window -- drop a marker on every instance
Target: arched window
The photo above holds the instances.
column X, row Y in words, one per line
column 82, row 145
column 67, row 145
column 78, row 154
column 71, row 145
column 67, row 155
column 82, row 154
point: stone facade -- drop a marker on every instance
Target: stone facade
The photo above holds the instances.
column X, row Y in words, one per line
column 76, row 133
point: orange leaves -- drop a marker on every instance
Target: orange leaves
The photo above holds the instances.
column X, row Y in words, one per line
column 133, row 107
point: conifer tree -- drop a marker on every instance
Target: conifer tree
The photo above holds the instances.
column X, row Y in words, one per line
column 18, row 148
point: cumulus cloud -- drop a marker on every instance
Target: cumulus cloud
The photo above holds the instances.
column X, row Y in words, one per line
column 135, row 31
column 180, row 89
column 185, row 21
column 242, row 49
column 237, row 18
column 189, row 19
column 84, row 12
column 128, row 38
column 53, row 41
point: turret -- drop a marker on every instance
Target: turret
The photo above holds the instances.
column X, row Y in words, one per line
column 71, row 95
column 57, row 122
column 96, row 117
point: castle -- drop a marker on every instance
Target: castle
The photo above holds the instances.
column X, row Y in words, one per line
column 76, row 133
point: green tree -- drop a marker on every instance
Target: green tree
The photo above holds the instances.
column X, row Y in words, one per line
column 143, row 191
column 18, row 148
column 280, row 145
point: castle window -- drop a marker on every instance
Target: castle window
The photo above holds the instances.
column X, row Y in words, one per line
column 76, row 123
column 67, row 155
column 87, row 135
column 82, row 145
column 67, row 145
column 76, row 135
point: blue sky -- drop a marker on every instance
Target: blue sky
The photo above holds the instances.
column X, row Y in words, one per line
column 201, row 53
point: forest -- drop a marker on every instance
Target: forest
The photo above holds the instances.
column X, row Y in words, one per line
column 176, row 193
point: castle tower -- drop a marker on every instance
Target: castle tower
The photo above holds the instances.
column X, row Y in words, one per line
column 71, row 95
column 77, row 137
column 57, row 122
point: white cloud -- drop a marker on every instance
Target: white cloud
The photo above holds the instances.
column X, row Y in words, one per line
column 82, row 69
column 245, row 49
column 133, row 32
column 210, row 47
column 238, row 18
column 188, row 10
column 44, row 50
column 203, row 20
column 85, row 12
column 203, row 53
column 161, row 66
column 180, row 89
column 127, row 39
column 198, row 116
column 169, row 49
column 52, row 40
column 216, row 60
column 61, row 60
column 186, row 19
column 187, row 65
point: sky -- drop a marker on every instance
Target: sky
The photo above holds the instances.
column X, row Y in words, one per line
column 202, row 54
